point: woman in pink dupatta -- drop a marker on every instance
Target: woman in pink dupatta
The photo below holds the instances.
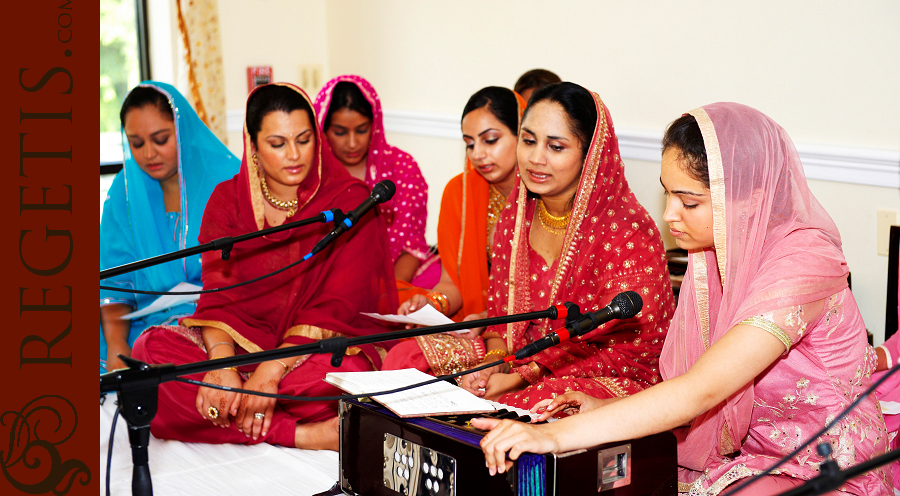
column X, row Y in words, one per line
column 351, row 119
column 286, row 174
column 609, row 245
column 767, row 344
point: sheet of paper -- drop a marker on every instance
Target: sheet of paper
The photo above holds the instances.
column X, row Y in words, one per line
column 167, row 301
column 890, row 407
column 440, row 398
column 425, row 316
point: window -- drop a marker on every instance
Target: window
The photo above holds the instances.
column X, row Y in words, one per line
column 124, row 62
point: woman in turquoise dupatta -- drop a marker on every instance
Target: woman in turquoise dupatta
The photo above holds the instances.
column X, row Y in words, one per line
column 155, row 206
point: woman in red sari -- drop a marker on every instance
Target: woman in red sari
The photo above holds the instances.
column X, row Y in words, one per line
column 574, row 231
column 287, row 174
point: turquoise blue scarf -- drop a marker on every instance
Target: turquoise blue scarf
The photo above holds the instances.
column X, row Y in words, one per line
column 135, row 224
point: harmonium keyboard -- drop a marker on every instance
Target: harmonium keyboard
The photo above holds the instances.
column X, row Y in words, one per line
column 382, row 454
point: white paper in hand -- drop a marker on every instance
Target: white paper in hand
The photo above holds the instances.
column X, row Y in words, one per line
column 425, row 316
column 167, row 301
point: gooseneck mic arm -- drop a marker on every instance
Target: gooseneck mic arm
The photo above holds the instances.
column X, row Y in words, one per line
column 225, row 244
column 382, row 192
column 623, row 306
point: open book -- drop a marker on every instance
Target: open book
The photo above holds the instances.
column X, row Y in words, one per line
column 440, row 398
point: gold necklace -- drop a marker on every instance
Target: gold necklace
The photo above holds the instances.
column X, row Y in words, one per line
column 495, row 205
column 289, row 206
column 553, row 224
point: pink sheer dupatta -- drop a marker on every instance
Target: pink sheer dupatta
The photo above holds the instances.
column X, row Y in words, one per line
column 775, row 247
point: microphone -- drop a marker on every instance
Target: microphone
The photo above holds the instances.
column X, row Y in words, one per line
column 382, row 192
column 623, row 306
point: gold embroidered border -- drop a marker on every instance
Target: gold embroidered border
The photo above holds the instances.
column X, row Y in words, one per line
column 236, row 336
column 770, row 327
column 582, row 197
column 311, row 332
column 734, row 474
column 726, row 443
column 514, row 259
column 716, row 184
column 611, row 385
column 256, row 196
column 701, row 289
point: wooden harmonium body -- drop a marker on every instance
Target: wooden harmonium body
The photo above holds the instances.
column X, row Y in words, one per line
column 385, row 455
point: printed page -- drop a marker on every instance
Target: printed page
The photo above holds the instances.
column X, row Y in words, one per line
column 425, row 316
column 167, row 301
column 440, row 398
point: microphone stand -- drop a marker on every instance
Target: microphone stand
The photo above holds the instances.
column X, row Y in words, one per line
column 832, row 477
column 225, row 244
column 138, row 385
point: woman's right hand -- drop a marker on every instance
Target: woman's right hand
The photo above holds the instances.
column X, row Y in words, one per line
column 573, row 400
column 475, row 383
column 411, row 305
column 225, row 402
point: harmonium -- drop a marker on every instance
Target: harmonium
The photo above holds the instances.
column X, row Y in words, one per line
column 382, row 454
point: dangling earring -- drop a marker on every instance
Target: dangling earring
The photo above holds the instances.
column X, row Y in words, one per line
column 255, row 159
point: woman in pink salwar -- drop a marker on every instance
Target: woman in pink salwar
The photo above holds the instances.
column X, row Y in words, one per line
column 767, row 344
column 350, row 117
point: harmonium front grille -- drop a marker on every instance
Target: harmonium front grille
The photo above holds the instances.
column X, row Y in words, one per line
column 385, row 455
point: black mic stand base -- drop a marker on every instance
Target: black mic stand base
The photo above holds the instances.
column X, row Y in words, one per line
column 138, row 405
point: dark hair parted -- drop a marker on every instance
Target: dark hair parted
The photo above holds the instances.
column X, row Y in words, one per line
column 535, row 79
column 274, row 98
column 579, row 107
column 500, row 102
column 142, row 96
column 347, row 95
column 684, row 134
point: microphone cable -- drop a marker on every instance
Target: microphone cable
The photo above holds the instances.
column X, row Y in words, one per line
column 204, row 291
column 343, row 396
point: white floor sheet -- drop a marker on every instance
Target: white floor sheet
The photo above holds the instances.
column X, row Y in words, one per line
column 178, row 468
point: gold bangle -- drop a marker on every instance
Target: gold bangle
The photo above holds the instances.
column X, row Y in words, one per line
column 502, row 353
column 225, row 368
column 440, row 300
column 286, row 368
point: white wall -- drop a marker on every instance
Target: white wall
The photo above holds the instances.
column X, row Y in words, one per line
column 283, row 34
column 827, row 71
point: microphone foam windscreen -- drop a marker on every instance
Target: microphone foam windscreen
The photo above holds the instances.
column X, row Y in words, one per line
column 383, row 191
column 629, row 303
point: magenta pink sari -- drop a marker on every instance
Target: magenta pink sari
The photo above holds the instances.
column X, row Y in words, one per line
column 405, row 214
column 777, row 265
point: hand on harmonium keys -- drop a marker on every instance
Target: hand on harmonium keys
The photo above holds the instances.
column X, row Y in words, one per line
column 513, row 437
column 572, row 402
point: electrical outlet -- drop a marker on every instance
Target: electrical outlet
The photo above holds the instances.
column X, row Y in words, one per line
column 886, row 219
column 310, row 78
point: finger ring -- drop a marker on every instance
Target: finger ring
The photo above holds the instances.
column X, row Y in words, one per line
column 213, row 412
column 259, row 416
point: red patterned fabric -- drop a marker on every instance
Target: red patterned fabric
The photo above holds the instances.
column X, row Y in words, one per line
column 611, row 245
column 317, row 299
column 405, row 214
